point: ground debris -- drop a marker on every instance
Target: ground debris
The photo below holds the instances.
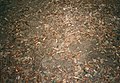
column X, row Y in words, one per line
column 53, row 41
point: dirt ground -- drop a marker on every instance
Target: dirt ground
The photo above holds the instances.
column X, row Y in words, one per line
column 59, row 41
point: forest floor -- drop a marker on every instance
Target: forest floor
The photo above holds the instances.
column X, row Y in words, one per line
column 59, row 41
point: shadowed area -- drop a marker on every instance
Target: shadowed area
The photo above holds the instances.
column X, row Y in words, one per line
column 59, row 41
